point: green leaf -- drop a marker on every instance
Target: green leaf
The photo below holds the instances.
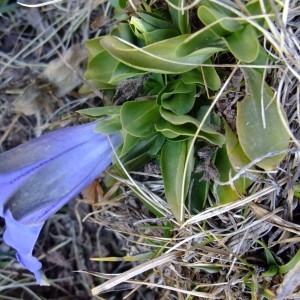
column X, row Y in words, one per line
column 123, row 72
column 178, row 119
column 263, row 59
column 139, row 154
column 206, row 132
column 199, row 192
column 291, row 264
column 296, row 189
column 158, row 57
column 269, row 256
column 173, row 160
column 200, row 39
column 206, row 76
column 154, row 84
column 172, row 131
column 228, row 193
column 100, row 111
column 254, row 8
column 178, row 97
column 244, row 44
column 256, row 137
column 129, row 143
column 236, row 155
column 180, row 18
column 100, row 85
column 118, row 3
column 123, row 31
column 138, row 117
column 152, row 27
column 137, row 149
column 110, row 125
column 157, row 145
column 156, row 19
column 93, row 46
column 210, row 12
column 140, row 26
column 173, row 126
column 159, row 35
column 271, row 271
column 101, row 67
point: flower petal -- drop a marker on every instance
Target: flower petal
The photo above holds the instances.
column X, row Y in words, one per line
column 18, row 164
column 46, row 191
column 40, row 176
column 22, row 238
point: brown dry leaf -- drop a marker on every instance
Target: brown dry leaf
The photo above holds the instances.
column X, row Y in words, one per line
column 101, row 21
column 92, row 192
column 31, row 101
column 61, row 75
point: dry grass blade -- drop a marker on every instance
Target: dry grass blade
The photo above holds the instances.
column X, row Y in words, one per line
column 211, row 212
column 290, row 284
column 165, row 258
column 38, row 4
column 276, row 220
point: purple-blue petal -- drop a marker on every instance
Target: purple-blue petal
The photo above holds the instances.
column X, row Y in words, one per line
column 40, row 176
column 18, row 164
column 22, row 238
column 58, row 181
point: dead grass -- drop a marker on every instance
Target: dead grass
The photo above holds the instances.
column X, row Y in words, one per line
column 213, row 255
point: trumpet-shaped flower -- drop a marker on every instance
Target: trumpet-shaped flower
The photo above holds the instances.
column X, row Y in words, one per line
column 39, row 177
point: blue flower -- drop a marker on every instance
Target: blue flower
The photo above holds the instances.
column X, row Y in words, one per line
column 39, row 177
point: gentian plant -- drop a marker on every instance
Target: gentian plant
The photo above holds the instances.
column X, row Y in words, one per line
column 176, row 61
column 39, row 177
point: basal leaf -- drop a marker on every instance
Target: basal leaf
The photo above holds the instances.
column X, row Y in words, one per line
column 100, row 111
column 101, row 67
column 244, row 44
column 123, row 31
column 198, row 193
column 180, row 18
column 156, row 19
column 228, row 193
column 138, row 117
column 178, row 119
column 178, row 97
column 124, row 72
column 236, row 155
column 200, row 39
column 259, row 138
column 118, row 3
column 109, row 125
column 100, row 85
column 130, row 141
column 173, row 160
column 206, row 76
column 158, row 57
column 93, row 46
column 152, row 27
column 185, row 126
column 154, row 84
column 157, row 145
column 254, row 8
column 169, row 130
column 159, row 35
column 210, row 12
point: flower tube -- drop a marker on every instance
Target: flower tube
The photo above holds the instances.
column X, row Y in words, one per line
column 38, row 177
